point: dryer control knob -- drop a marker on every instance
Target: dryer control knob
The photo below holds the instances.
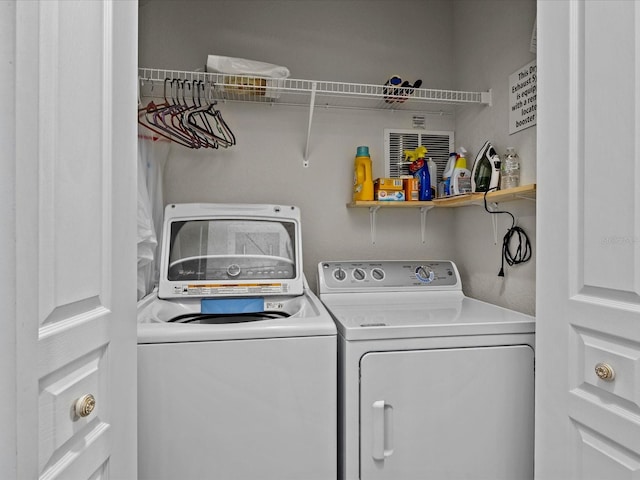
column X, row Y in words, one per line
column 359, row 274
column 424, row 274
column 339, row 274
column 377, row 274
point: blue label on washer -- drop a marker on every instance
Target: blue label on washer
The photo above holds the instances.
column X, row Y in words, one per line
column 232, row 305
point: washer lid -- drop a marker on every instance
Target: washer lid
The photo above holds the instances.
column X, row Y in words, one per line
column 230, row 250
column 404, row 315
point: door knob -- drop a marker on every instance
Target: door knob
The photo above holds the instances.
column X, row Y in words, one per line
column 85, row 405
column 605, row 372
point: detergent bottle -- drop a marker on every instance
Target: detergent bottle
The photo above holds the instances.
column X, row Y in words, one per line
column 448, row 172
column 433, row 174
column 362, row 175
column 461, row 177
column 420, row 170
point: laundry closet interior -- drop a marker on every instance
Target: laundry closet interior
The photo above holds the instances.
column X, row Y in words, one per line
column 462, row 45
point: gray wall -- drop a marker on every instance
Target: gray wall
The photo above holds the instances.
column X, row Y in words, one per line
column 362, row 41
column 494, row 44
column 354, row 41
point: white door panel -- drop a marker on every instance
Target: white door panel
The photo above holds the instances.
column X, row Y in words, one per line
column 605, row 146
column 600, row 458
column 59, row 390
column 447, row 413
column 588, row 307
column 75, row 237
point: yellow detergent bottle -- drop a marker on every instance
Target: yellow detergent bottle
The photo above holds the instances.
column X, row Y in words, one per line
column 362, row 175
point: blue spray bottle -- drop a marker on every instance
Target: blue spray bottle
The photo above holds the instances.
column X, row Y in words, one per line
column 420, row 170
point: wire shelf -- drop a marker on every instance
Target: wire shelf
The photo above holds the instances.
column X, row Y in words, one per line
column 159, row 83
column 244, row 88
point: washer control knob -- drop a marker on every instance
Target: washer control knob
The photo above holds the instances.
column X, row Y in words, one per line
column 233, row 270
column 359, row 274
column 377, row 274
column 339, row 274
column 424, row 274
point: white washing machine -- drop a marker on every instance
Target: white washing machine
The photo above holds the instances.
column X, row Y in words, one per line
column 432, row 384
column 237, row 357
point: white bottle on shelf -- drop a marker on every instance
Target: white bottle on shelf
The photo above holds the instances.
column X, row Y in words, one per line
column 510, row 170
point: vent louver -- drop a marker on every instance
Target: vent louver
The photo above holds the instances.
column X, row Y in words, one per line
column 438, row 144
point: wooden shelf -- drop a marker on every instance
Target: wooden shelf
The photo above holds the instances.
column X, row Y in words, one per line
column 522, row 192
column 373, row 203
column 499, row 196
column 527, row 192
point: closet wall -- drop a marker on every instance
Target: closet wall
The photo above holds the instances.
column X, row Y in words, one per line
column 492, row 40
column 343, row 40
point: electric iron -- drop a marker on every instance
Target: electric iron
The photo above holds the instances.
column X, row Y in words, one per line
column 485, row 175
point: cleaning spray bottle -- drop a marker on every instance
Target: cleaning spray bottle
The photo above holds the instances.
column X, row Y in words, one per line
column 410, row 183
column 420, row 169
column 433, row 174
column 461, row 177
column 362, row 176
column 448, row 171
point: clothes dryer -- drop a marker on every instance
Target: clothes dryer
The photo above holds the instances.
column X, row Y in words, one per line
column 236, row 355
column 432, row 384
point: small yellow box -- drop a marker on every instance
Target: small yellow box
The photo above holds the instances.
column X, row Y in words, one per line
column 388, row 183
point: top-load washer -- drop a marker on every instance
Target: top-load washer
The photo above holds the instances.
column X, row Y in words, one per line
column 432, row 384
column 236, row 356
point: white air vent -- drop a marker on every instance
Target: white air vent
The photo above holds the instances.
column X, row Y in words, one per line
column 438, row 144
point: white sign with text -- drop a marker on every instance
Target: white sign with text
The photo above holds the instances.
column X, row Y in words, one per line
column 523, row 94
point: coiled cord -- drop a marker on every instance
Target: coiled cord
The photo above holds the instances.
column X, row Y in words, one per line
column 522, row 253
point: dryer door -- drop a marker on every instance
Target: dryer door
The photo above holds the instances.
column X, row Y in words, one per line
column 450, row 413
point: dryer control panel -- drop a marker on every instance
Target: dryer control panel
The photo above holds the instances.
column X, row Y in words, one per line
column 387, row 275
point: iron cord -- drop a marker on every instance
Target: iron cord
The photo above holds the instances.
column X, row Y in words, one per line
column 522, row 252
column 222, row 318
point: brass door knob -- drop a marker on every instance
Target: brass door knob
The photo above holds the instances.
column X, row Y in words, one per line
column 85, row 405
column 605, row 372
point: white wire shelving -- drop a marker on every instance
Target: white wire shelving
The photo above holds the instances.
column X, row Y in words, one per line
column 310, row 93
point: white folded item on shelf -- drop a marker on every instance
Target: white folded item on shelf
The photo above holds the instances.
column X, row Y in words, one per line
column 242, row 66
column 244, row 77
